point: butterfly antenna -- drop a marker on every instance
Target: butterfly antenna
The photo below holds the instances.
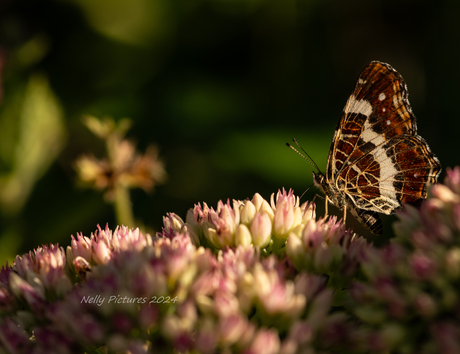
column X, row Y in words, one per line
column 307, row 157
column 306, row 190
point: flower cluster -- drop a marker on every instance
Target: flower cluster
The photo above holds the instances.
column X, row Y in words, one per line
column 247, row 222
column 408, row 299
column 251, row 276
column 320, row 247
column 214, row 283
column 252, row 222
column 142, row 296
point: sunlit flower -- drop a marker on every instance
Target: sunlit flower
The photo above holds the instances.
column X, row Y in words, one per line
column 100, row 247
column 243, row 236
column 254, row 221
column 46, row 266
column 173, row 225
column 262, row 205
column 287, row 213
column 224, row 220
column 248, row 211
column 261, row 229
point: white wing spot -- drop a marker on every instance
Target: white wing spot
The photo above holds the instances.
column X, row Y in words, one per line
column 384, row 109
column 382, row 96
column 415, row 175
column 388, row 122
column 369, row 134
column 358, row 106
column 361, row 81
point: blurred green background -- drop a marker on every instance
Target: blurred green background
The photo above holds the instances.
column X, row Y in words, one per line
column 219, row 85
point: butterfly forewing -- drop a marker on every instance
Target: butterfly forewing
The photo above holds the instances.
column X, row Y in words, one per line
column 377, row 160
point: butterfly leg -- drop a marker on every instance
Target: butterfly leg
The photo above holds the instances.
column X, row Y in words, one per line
column 319, row 196
column 326, row 202
column 345, row 215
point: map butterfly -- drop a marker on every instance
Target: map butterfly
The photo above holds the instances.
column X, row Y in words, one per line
column 376, row 160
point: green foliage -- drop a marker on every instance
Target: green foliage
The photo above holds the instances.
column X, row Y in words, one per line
column 219, row 85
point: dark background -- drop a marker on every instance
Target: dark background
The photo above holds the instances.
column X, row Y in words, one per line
column 218, row 85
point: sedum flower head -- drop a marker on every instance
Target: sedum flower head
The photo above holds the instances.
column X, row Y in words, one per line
column 256, row 221
column 325, row 247
column 219, row 282
column 408, row 298
column 251, row 276
column 44, row 269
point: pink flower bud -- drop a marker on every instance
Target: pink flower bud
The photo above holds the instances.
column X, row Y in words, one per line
column 81, row 247
column 261, row 228
column 266, row 341
column 225, row 220
column 102, row 253
column 172, row 225
column 257, row 200
column 262, row 205
column 243, row 236
column 445, row 194
column 33, row 295
column 225, row 304
column 247, row 213
column 453, row 179
column 294, row 250
column 231, row 328
column 308, row 211
column 284, row 219
column 327, row 257
column 200, row 214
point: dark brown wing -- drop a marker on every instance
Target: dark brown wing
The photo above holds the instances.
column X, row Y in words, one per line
column 376, row 157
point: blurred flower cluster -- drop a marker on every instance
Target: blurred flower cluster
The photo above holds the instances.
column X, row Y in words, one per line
column 408, row 299
column 122, row 169
column 251, row 276
column 123, row 165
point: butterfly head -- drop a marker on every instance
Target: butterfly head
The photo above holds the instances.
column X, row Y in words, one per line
column 319, row 180
column 328, row 189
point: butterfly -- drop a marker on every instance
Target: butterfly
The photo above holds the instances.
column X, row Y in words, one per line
column 377, row 161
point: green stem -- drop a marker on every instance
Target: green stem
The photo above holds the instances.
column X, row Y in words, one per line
column 122, row 202
column 123, row 206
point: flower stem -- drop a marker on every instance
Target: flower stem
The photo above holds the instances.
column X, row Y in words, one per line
column 278, row 244
column 122, row 201
column 123, row 206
